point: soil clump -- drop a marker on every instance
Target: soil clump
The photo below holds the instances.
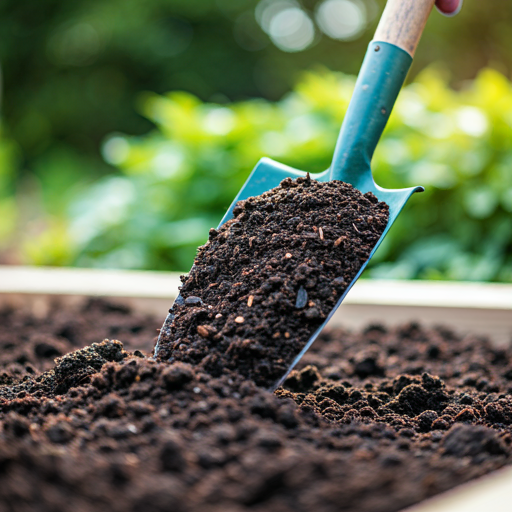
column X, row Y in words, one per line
column 268, row 278
column 371, row 421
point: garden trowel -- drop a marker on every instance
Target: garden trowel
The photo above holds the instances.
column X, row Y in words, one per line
column 382, row 75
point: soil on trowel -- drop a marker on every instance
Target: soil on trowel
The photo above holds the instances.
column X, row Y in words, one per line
column 371, row 421
column 267, row 279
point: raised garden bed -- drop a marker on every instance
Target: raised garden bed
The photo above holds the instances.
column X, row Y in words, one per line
column 297, row 437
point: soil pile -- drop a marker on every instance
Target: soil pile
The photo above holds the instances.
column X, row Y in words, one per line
column 373, row 421
column 268, row 278
column 30, row 342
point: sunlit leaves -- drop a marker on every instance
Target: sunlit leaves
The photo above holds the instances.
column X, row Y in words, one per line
column 178, row 180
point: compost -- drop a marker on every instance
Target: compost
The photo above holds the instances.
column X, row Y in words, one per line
column 267, row 279
column 371, row 421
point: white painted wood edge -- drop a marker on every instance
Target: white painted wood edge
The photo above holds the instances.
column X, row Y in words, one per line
column 448, row 294
column 89, row 282
column 129, row 283
column 491, row 492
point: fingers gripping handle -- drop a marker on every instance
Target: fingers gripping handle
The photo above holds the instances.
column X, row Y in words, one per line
column 402, row 23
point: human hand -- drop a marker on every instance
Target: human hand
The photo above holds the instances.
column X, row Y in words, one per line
column 449, row 7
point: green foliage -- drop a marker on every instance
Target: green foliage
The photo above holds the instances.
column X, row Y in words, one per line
column 459, row 145
column 70, row 70
column 8, row 207
column 177, row 181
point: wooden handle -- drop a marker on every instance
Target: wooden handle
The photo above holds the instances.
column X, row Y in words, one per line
column 402, row 23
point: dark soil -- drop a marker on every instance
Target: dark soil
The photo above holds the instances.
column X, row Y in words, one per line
column 268, row 278
column 374, row 421
column 29, row 344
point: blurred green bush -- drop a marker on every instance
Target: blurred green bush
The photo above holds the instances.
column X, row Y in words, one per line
column 70, row 70
column 176, row 182
column 8, row 206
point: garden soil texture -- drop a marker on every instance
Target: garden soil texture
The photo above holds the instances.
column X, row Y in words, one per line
column 269, row 277
column 371, row 421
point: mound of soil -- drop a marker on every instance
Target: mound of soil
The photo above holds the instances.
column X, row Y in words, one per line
column 372, row 421
column 30, row 343
column 268, row 278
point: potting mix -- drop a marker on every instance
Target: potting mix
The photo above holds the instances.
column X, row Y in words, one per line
column 267, row 279
column 370, row 421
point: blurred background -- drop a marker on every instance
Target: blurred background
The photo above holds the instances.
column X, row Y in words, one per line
column 127, row 127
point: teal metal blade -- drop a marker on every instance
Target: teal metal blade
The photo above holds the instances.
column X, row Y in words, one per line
column 381, row 77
